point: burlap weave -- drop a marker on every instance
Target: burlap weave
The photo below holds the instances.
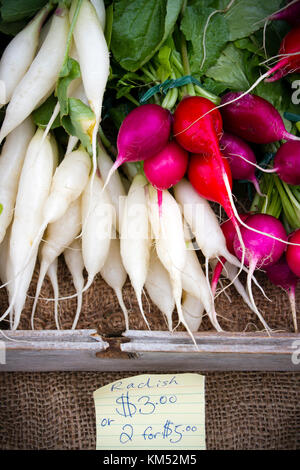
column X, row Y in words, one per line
column 244, row 410
column 100, row 308
column 55, row 410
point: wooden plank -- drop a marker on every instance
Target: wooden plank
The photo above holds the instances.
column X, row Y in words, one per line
column 51, row 350
column 84, row 350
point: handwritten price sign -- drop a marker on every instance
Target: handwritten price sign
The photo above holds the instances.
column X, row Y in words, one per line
column 151, row 412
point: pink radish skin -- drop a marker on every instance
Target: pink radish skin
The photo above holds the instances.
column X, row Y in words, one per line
column 144, row 133
column 281, row 275
column 293, row 253
column 167, row 167
column 253, row 118
column 241, row 158
column 290, row 14
column 261, row 251
column 287, row 162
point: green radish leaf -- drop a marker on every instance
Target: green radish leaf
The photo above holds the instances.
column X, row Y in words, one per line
column 69, row 72
column 12, row 28
column 16, row 10
column 80, row 122
column 1, row 208
column 194, row 23
column 139, row 29
column 244, row 17
column 229, row 69
column 42, row 115
column 109, row 24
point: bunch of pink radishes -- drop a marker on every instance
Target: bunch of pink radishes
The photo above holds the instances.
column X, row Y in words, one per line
column 140, row 227
column 192, row 142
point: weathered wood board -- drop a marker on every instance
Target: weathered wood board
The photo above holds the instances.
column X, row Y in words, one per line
column 85, row 350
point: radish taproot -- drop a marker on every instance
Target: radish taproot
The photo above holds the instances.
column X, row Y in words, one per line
column 19, row 54
column 287, row 163
column 192, row 309
column 11, row 162
column 58, row 236
column 253, row 118
column 293, row 253
column 289, row 53
column 39, row 166
column 261, row 251
column 241, row 159
column 41, row 76
column 114, row 274
column 168, row 232
column 143, row 133
column 134, row 238
column 97, row 221
column 74, row 261
column 281, row 275
column 159, row 288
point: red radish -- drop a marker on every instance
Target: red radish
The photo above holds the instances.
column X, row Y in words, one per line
column 287, row 162
column 253, row 118
column 290, row 13
column 241, row 158
column 261, row 250
column 197, row 127
column 205, row 174
column 193, row 132
column 293, row 253
column 166, row 168
column 144, row 132
column 290, row 53
column 281, row 275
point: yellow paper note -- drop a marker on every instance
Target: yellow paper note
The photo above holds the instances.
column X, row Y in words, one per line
column 152, row 411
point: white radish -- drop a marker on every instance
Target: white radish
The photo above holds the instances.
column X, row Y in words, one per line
column 4, row 249
column 114, row 274
column 58, row 236
column 134, row 237
column 19, row 54
column 100, row 10
column 194, row 282
column 115, row 186
column 93, row 58
column 159, row 288
column 41, row 76
column 97, row 217
column 52, row 274
column 69, row 181
column 203, row 222
column 168, row 230
column 34, row 185
column 192, row 309
column 11, row 162
column 74, row 261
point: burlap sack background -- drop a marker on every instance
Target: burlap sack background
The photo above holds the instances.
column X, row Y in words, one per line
column 244, row 410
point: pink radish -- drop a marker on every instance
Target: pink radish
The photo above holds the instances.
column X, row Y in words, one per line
column 287, row 162
column 241, row 158
column 281, row 275
column 253, row 118
column 166, row 168
column 261, row 251
column 293, row 253
column 144, row 132
column 290, row 13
